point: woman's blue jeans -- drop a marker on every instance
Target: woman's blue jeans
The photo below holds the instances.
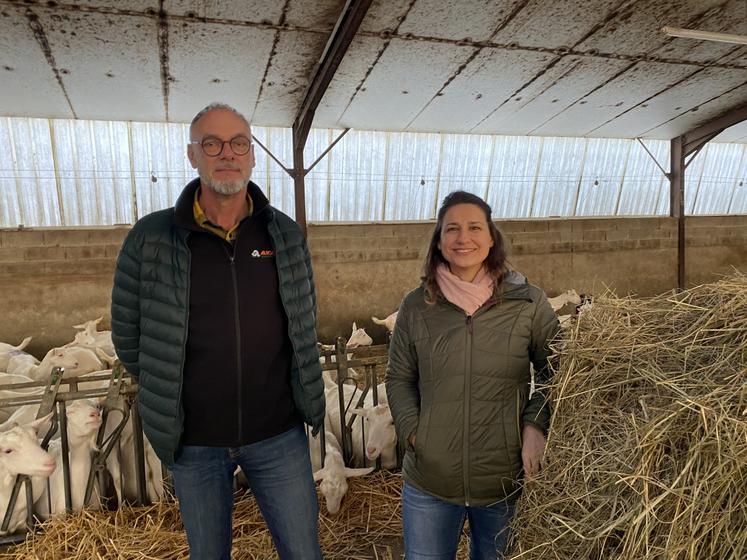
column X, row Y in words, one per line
column 279, row 473
column 432, row 527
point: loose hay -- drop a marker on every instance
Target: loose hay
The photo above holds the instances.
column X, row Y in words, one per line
column 647, row 452
column 370, row 514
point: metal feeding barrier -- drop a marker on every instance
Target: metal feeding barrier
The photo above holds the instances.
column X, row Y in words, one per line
column 366, row 359
column 119, row 392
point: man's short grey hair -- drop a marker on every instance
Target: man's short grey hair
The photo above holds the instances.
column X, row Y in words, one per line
column 216, row 105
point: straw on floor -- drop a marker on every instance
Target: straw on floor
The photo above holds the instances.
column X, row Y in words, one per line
column 370, row 514
column 647, row 452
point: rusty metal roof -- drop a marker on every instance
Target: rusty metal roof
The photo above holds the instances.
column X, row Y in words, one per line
column 575, row 68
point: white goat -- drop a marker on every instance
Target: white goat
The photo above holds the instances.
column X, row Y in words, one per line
column 83, row 422
column 56, row 357
column 20, row 453
column 21, row 363
column 90, row 337
column 7, row 351
column 359, row 338
column 86, row 359
column 334, row 475
column 351, row 394
column 389, row 322
column 121, row 462
column 569, row 296
column 381, row 437
column 8, row 391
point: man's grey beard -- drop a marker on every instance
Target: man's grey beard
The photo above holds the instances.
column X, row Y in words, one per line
column 226, row 188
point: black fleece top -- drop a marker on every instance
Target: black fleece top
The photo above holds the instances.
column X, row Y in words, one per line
column 238, row 356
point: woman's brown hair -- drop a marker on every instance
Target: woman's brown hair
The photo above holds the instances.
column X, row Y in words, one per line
column 495, row 262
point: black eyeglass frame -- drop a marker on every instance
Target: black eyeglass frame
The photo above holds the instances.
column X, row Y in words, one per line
column 223, row 143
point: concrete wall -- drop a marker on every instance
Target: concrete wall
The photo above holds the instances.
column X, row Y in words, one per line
column 51, row 279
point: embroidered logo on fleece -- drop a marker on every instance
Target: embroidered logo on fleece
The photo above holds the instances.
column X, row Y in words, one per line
column 263, row 254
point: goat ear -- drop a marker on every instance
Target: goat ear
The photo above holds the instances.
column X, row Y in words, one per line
column 349, row 473
column 319, row 475
column 361, row 412
column 39, row 421
column 354, row 327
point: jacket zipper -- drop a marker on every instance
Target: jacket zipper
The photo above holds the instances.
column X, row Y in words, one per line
column 237, row 326
column 467, row 400
column 518, row 416
column 179, row 409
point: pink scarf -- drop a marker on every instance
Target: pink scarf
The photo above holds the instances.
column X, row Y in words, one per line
column 468, row 295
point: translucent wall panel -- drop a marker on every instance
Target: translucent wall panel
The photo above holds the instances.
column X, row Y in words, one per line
column 558, row 177
column 602, row 177
column 721, row 168
column 465, row 164
column 512, row 175
column 356, row 177
column 28, row 186
column 160, row 165
column 412, row 175
column 318, row 180
column 645, row 189
column 65, row 172
column 93, row 170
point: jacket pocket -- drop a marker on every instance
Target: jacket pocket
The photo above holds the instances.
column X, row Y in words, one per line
column 421, row 434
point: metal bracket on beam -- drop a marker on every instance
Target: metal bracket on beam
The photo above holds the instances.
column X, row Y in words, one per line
column 697, row 138
column 288, row 170
column 306, row 171
column 666, row 173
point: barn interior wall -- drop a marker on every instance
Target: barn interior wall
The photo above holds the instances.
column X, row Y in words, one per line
column 52, row 279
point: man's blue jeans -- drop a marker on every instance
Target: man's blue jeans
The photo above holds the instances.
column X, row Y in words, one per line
column 432, row 527
column 279, row 473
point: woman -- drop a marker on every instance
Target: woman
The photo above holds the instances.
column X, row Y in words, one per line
column 458, row 386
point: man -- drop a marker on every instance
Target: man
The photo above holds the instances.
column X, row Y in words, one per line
column 214, row 312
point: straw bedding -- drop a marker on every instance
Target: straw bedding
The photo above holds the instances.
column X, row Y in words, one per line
column 647, row 455
column 647, row 452
column 368, row 523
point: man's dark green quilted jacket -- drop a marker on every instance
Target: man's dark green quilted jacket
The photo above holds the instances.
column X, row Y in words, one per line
column 150, row 303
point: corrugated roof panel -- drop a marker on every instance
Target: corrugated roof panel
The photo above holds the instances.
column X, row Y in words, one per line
column 512, row 175
column 357, row 177
column 74, row 151
column 645, row 189
column 721, row 169
column 318, row 180
column 160, row 164
column 411, row 174
column 693, row 176
column 558, row 177
column 738, row 203
column 279, row 186
column 115, row 172
column 602, row 176
column 465, row 164
column 27, row 176
column 738, row 200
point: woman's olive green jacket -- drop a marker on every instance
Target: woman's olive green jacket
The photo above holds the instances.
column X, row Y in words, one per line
column 461, row 385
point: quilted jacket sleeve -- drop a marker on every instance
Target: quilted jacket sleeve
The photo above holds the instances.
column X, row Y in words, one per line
column 544, row 328
column 126, row 304
column 402, row 378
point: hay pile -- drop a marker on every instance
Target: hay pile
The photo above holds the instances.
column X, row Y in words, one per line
column 647, row 453
column 368, row 521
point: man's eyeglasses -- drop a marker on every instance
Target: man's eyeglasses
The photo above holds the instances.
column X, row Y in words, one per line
column 212, row 146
